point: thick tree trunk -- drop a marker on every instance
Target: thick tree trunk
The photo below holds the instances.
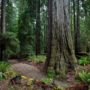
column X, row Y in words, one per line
column 62, row 53
column 38, row 27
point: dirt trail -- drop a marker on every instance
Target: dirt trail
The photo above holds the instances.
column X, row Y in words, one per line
column 28, row 70
column 32, row 71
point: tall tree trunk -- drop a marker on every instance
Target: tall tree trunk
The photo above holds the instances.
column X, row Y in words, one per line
column 38, row 27
column 0, row 15
column 0, row 33
column 49, row 35
column 3, row 13
column 62, row 52
column 76, row 26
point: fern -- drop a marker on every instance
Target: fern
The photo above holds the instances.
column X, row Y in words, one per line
column 84, row 77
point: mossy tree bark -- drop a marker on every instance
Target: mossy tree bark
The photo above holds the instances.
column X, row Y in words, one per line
column 62, row 52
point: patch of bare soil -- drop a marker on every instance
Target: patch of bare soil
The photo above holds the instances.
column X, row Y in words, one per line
column 85, row 68
column 3, row 84
column 28, row 70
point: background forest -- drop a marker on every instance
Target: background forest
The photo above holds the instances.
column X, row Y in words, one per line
column 26, row 25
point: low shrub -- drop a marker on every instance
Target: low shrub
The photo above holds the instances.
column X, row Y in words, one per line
column 4, row 66
column 84, row 77
column 51, row 74
column 1, row 76
column 10, row 74
column 84, row 61
column 11, row 44
column 38, row 58
column 47, row 80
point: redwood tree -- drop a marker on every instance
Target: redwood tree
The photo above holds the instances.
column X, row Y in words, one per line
column 62, row 53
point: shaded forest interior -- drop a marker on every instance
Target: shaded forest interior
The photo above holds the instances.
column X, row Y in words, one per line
column 53, row 32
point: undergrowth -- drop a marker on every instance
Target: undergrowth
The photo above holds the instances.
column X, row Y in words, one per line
column 38, row 58
column 4, row 66
column 84, row 77
column 84, row 60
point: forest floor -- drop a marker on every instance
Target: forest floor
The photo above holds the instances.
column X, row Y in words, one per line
column 35, row 70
